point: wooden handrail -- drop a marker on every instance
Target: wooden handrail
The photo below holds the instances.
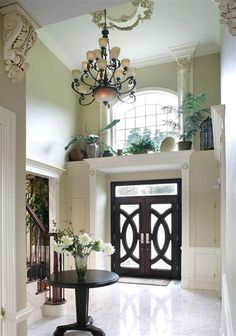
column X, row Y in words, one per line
column 36, row 219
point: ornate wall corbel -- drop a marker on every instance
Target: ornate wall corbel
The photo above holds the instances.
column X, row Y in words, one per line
column 227, row 10
column 18, row 37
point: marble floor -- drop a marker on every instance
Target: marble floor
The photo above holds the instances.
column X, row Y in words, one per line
column 140, row 310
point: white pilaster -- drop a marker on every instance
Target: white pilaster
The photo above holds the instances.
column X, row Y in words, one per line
column 183, row 55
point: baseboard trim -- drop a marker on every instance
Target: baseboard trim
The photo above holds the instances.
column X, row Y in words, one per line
column 23, row 314
column 227, row 328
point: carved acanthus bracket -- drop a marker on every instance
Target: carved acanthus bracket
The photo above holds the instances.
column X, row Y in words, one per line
column 18, row 37
column 228, row 14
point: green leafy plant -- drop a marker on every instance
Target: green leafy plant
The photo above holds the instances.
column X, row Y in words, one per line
column 37, row 196
column 138, row 142
column 190, row 115
column 93, row 138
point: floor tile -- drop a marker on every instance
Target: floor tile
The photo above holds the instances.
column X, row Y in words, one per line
column 140, row 310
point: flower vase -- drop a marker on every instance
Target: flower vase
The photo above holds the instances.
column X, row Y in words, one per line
column 92, row 150
column 81, row 265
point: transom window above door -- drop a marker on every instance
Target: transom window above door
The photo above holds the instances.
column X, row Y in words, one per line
column 145, row 113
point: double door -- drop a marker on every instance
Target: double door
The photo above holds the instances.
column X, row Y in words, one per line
column 146, row 233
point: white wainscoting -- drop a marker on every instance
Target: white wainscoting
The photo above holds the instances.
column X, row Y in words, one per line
column 205, row 268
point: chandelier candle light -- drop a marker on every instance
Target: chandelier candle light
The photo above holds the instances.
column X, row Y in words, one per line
column 104, row 77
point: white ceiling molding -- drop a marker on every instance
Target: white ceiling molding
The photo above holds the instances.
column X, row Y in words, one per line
column 228, row 14
column 184, row 50
column 55, row 49
column 18, row 37
column 140, row 10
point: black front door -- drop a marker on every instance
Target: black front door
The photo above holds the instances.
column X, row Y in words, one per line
column 146, row 234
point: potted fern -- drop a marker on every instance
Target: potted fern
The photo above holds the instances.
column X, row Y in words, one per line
column 190, row 115
column 140, row 142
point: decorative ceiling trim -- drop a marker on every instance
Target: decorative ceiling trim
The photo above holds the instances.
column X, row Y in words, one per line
column 142, row 11
column 18, row 37
column 228, row 14
column 184, row 51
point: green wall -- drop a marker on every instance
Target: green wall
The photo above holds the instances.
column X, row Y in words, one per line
column 51, row 105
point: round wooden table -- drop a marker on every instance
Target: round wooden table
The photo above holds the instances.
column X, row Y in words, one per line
column 93, row 279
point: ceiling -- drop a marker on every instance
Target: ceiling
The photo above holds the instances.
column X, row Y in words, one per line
column 173, row 23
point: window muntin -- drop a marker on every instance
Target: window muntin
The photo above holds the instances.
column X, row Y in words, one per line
column 146, row 112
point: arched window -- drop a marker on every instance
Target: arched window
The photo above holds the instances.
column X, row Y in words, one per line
column 145, row 113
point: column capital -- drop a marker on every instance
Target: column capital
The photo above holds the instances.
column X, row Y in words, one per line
column 183, row 53
column 18, row 37
column 227, row 9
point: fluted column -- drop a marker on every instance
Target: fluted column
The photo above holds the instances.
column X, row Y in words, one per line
column 227, row 11
column 184, row 57
column 18, row 37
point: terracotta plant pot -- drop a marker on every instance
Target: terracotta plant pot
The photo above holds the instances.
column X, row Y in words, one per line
column 184, row 145
column 76, row 154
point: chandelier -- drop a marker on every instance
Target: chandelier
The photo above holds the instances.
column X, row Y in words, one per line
column 104, row 77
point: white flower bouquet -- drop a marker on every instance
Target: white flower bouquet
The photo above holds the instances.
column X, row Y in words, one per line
column 79, row 245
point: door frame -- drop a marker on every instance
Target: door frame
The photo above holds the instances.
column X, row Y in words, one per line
column 178, row 181
column 7, row 221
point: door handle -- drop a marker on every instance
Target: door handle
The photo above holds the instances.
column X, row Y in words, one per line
column 147, row 238
column 142, row 238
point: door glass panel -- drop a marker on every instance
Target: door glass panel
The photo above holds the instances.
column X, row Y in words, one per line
column 161, row 208
column 161, row 237
column 129, row 236
column 168, row 220
column 161, row 265
column 129, row 263
column 146, row 190
column 129, row 208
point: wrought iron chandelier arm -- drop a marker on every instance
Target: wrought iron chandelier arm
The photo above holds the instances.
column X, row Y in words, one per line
column 131, row 95
column 82, row 98
column 86, row 75
column 75, row 87
column 91, row 74
column 131, row 82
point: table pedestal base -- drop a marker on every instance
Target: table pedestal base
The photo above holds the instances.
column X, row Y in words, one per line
column 76, row 326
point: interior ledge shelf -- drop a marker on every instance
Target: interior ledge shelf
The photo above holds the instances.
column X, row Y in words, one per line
column 141, row 162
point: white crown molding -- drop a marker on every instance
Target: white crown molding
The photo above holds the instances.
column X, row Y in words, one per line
column 18, row 37
column 41, row 168
column 184, row 51
column 55, row 49
column 148, row 61
column 166, row 58
column 227, row 10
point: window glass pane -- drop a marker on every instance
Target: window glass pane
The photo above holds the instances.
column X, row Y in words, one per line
column 150, row 109
column 146, row 190
column 140, row 121
column 147, row 112
column 150, row 120
column 130, row 123
column 140, row 111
